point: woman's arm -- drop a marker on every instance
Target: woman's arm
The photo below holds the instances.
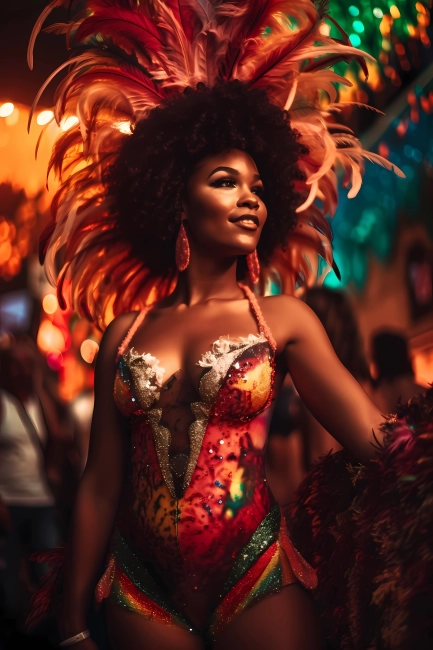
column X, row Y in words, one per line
column 99, row 490
column 328, row 390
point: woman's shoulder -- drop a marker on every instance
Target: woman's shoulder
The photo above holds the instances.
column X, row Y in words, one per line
column 283, row 305
column 116, row 331
column 286, row 315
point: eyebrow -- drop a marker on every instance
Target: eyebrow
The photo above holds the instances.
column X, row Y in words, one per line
column 230, row 170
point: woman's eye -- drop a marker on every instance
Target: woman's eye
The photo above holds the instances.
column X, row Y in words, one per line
column 224, row 182
column 258, row 190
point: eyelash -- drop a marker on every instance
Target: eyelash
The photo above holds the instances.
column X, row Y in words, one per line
column 219, row 183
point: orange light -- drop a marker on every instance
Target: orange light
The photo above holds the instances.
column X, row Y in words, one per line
column 89, row 350
column 69, row 122
column 44, row 117
column 4, row 230
column 6, row 109
column 394, row 11
column 383, row 150
column 5, row 252
column 325, row 29
column 50, row 338
column 124, row 127
column 13, row 118
column 50, row 303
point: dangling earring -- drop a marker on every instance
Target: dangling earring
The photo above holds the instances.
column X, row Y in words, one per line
column 253, row 266
column 182, row 249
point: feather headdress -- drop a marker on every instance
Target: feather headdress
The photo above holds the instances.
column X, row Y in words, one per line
column 129, row 56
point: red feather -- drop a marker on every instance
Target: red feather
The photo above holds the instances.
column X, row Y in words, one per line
column 48, row 596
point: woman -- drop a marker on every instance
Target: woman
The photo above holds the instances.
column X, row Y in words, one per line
column 178, row 217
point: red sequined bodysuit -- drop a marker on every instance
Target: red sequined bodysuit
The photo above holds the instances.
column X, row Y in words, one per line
column 200, row 520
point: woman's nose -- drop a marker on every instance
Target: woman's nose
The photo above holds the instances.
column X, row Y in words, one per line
column 248, row 200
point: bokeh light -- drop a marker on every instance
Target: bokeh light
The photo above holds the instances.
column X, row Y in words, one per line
column 89, row 350
column 50, row 338
column 44, row 117
column 6, row 109
column 69, row 122
column 50, row 303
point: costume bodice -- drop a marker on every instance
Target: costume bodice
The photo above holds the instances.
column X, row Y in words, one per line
column 189, row 510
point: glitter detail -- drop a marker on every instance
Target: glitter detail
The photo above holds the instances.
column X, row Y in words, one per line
column 265, row 535
column 162, row 437
column 104, row 585
column 220, row 359
column 196, row 431
column 140, row 577
column 147, row 376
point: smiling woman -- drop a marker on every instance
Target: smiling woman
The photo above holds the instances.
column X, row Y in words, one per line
column 158, row 165
column 161, row 222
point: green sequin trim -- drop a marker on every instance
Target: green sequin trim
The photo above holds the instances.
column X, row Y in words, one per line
column 140, row 576
column 265, row 535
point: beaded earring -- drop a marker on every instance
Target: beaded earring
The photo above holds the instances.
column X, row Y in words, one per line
column 253, row 265
column 182, row 249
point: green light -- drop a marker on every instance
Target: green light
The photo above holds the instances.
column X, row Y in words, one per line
column 358, row 26
column 378, row 12
column 355, row 40
column 354, row 11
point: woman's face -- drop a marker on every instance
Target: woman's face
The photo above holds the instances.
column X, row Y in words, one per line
column 224, row 208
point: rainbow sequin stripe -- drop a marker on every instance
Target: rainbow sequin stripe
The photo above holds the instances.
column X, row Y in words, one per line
column 135, row 589
column 260, row 570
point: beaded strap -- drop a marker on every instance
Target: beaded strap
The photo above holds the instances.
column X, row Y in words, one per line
column 134, row 327
column 263, row 326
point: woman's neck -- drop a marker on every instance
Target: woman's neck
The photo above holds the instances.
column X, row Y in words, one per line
column 207, row 279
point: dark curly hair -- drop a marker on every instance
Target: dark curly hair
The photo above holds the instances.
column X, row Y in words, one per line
column 147, row 182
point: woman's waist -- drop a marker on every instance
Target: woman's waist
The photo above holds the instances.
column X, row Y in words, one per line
column 187, row 562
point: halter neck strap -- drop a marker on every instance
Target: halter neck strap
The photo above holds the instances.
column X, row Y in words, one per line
column 134, row 327
column 263, row 326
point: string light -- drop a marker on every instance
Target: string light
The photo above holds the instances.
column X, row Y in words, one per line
column 377, row 28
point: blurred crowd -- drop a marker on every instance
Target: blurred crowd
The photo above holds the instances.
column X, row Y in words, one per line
column 44, row 441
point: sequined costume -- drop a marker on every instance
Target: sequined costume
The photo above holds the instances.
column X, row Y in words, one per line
column 205, row 520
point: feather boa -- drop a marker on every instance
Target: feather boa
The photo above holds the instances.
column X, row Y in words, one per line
column 128, row 56
column 368, row 532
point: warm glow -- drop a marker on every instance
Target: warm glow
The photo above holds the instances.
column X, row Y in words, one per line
column 422, row 362
column 13, row 118
column 55, row 360
column 5, row 252
column 6, row 109
column 124, row 127
column 69, row 122
column 44, row 117
column 50, row 303
column 89, row 350
column 394, row 11
column 325, row 29
column 50, row 338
